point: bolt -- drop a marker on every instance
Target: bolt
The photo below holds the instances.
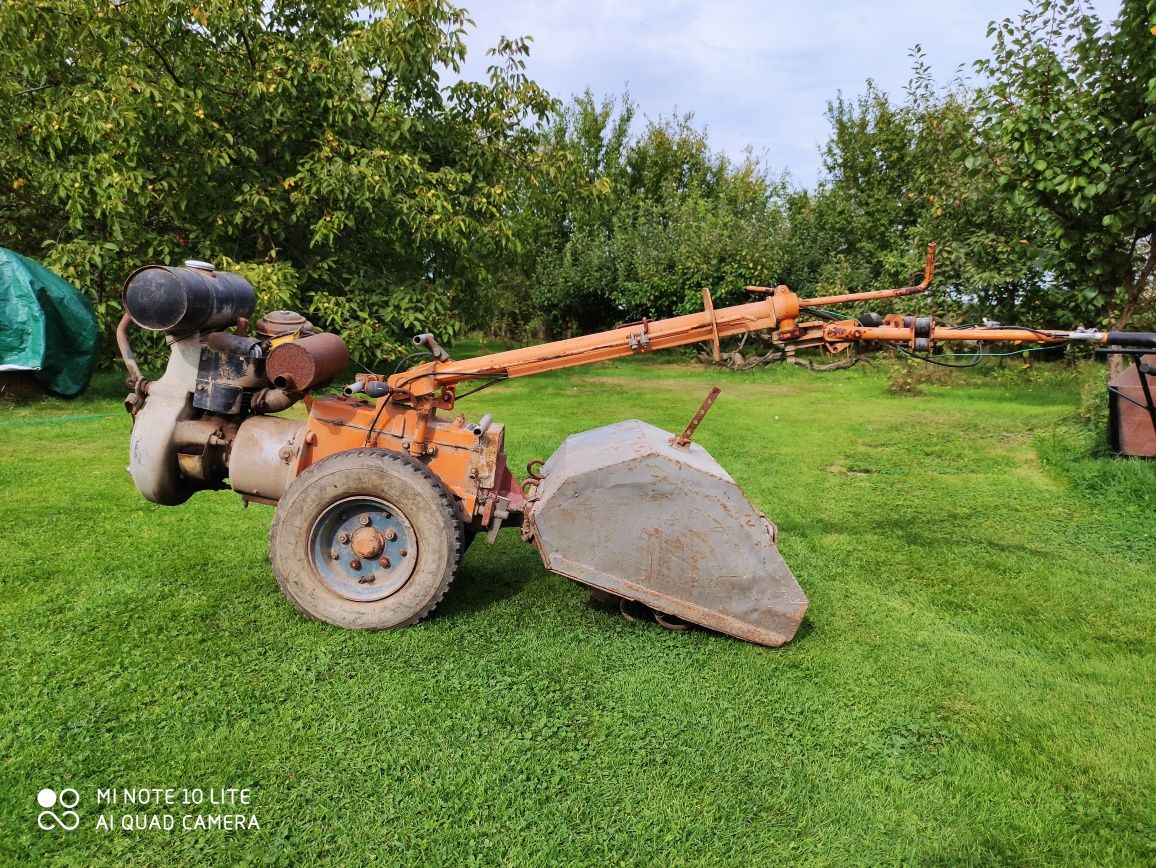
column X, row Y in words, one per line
column 364, row 520
column 355, row 563
column 404, row 552
column 383, row 562
column 343, row 537
column 390, row 534
column 333, row 553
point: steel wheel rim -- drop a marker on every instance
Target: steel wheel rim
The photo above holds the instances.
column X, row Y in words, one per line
column 363, row 549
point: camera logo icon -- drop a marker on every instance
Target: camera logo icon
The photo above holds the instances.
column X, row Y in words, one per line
column 66, row 799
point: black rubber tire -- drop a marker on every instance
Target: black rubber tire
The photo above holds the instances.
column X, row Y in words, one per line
column 411, row 488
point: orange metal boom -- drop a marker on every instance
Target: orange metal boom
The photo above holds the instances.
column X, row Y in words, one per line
column 852, row 331
column 779, row 311
column 828, row 300
column 646, row 336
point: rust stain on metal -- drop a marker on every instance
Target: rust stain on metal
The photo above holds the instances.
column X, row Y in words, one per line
column 307, row 363
column 367, row 543
column 1132, row 409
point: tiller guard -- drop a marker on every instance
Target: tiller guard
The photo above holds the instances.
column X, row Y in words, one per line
column 628, row 511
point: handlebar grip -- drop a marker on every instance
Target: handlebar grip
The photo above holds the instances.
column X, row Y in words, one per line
column 1144, row 340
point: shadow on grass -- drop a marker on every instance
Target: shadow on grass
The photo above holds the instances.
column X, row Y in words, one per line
column 490, row 574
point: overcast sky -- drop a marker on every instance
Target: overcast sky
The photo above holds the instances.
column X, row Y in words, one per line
column 757, row 74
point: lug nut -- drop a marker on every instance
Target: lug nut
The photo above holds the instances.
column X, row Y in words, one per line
column 390, row 534
column 333, row 553
column 404, row 552
column 355, row 563
column 343, row 537
column 383, row 562
column 364, row 520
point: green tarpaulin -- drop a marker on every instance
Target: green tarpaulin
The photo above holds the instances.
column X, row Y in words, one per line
column 46, row 326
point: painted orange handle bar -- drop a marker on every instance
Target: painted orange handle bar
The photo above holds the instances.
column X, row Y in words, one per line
column 779, row 310
column 647, row 336
column 828, row 300
column 838, row 332
column 841, row 332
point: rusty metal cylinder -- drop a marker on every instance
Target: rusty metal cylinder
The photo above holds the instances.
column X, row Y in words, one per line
column 307, row 363
column 164, row 298
column 238, row 345
column 263, row 456
column 274, row 400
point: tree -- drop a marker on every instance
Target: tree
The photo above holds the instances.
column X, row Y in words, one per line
column 633, row 224
column 1067, row 127
column 564, row 214
column 893, row 181
column 869, row 161
column 311, row 144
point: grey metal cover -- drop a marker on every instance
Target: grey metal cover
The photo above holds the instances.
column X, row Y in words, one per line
column 623, row 509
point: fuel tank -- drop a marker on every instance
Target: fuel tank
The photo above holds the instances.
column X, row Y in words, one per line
column 185, row 298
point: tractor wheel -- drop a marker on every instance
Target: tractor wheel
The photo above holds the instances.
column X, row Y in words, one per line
column 366, row 539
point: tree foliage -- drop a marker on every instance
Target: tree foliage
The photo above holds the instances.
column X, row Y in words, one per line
column 635, row 224
column 1038, row 184
column 892, row 184
column 312, row 143
column 1067, row 129
column 328, row 150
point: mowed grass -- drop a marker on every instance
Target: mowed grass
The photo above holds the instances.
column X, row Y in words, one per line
column 973, row 683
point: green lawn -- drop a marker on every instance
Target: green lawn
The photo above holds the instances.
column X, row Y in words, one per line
column 974, row 682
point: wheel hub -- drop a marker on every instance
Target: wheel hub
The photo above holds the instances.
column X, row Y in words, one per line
column 363, row 548
column 367, row 542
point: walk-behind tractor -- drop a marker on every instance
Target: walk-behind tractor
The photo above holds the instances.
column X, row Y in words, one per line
column 380, row 490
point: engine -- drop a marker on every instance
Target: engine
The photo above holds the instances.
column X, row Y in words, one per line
column 206, row 423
